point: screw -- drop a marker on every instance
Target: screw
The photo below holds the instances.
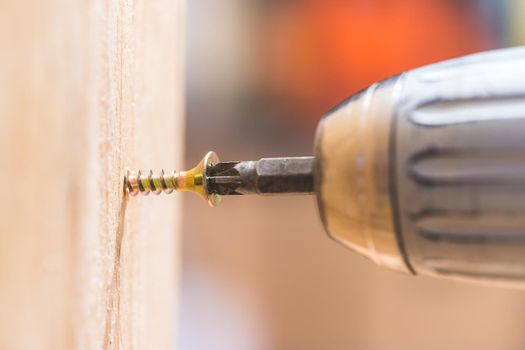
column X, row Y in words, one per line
column 193, row 180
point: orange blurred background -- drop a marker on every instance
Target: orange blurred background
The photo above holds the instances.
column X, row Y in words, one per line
column 260, row 273
column 316, row 53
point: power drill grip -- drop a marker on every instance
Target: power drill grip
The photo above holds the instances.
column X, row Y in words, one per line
column 425, row 172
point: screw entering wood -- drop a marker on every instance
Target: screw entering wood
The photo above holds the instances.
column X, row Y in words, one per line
column 193, row 180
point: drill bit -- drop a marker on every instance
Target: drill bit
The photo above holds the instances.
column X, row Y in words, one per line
column 212, row 179
column 264, row 176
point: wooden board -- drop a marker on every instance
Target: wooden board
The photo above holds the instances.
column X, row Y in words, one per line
column 86, row 90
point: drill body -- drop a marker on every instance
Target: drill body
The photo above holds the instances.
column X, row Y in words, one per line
column 422, row 173
column 425, row 172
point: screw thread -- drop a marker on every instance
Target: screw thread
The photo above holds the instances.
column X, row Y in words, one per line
column 155, row 183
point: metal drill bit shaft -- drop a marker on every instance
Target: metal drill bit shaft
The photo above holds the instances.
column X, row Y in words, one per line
column 265, row 176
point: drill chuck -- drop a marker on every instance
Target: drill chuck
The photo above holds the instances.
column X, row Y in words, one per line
column 425, row 172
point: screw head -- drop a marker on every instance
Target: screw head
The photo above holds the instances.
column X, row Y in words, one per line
column 209, row 161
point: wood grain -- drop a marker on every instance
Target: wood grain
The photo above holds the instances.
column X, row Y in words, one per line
column 86, row 90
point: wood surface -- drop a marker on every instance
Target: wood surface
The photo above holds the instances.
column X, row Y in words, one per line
column 86, row 90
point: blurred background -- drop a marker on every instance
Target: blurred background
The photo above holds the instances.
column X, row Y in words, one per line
column 260, row 273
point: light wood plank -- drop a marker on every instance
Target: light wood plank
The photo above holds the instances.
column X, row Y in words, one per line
column 86, row 90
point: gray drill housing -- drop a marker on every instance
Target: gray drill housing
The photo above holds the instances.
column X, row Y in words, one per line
column 447, row 197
